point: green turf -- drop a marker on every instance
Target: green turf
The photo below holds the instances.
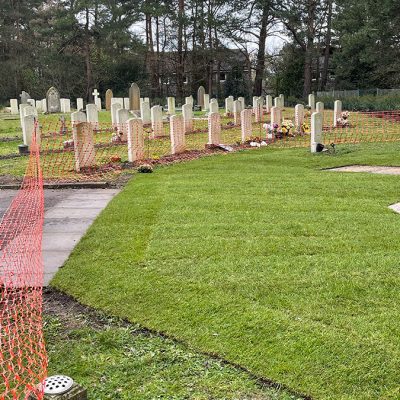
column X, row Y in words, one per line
column 116, row 362
column 263, row 259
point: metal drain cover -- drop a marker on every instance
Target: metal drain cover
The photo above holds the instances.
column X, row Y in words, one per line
column 57, row 384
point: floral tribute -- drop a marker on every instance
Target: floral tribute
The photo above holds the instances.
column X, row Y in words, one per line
column 280, row 132
column 343, row 121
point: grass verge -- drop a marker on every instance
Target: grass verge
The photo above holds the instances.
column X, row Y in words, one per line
column 116, row 360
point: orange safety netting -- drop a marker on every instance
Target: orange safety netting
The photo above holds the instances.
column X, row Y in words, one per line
column 23, row 361
column 359, row 127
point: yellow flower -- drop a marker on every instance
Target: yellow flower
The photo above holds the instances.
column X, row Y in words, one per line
column 284, row 130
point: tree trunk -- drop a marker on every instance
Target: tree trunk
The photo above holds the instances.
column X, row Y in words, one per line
column 311, row 5
column 158, row 86
column 210, row 66
column 324, row 79
column 260, row 66
column 89, row 74
column 150, row 60
column 180, row 67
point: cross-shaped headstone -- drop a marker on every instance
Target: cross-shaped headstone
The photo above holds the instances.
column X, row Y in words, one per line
column 95, row 94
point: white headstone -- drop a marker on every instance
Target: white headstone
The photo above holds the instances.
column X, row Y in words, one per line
column 229, row 105
column 22, row 107
column 189, row 100
column 282, row 100
column 98, row 103
column 268, row 103
column 78, row 116
column 114, row 109
column 246, row 124
column 319, row 108
column 171, row 105
column 156, row 121
column 122, row 118
column 84, row 150
column 214, row 108
column 135, row 139
column 120, row 101
column 44, row 105
column 177, row 133
column 298, row 116
column 65, row 105
column 337, row 112
column 29, row 110
column 145, row 112
column 311, row 102
column 31, row 102
column 255, row 103
column 187, row 113
column 276, row 116
column 214, row 128
column 237, row 109
column 125, row 102
column 206, row 101
column 92, row 114
column 242, row 100
column 79, row 103
column 38, row 105
column 316, row 131
column 28, row 129
column 14, row 106
column 259, row 109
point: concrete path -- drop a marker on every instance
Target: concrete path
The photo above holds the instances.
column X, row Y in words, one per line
column 68, row 215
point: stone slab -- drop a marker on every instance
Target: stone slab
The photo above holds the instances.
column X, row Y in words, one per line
column 60, row 241
column 395, row 207
column 72, row 212
column 70, row 225
column 368, row 169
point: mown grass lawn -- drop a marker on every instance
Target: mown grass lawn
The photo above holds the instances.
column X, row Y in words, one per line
column 263, row 259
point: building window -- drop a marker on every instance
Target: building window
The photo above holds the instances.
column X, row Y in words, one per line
column 222, row 76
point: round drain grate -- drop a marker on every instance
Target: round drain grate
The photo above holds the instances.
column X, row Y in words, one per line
column 57, row 384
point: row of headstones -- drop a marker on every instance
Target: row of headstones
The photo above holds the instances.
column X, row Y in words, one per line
column 120, row 113
column 318, row 107
column 84, row 144
column 41, row 105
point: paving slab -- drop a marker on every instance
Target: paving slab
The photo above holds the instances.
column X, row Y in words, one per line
column 68, row 215
column 372, row 169
column 65, row 213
